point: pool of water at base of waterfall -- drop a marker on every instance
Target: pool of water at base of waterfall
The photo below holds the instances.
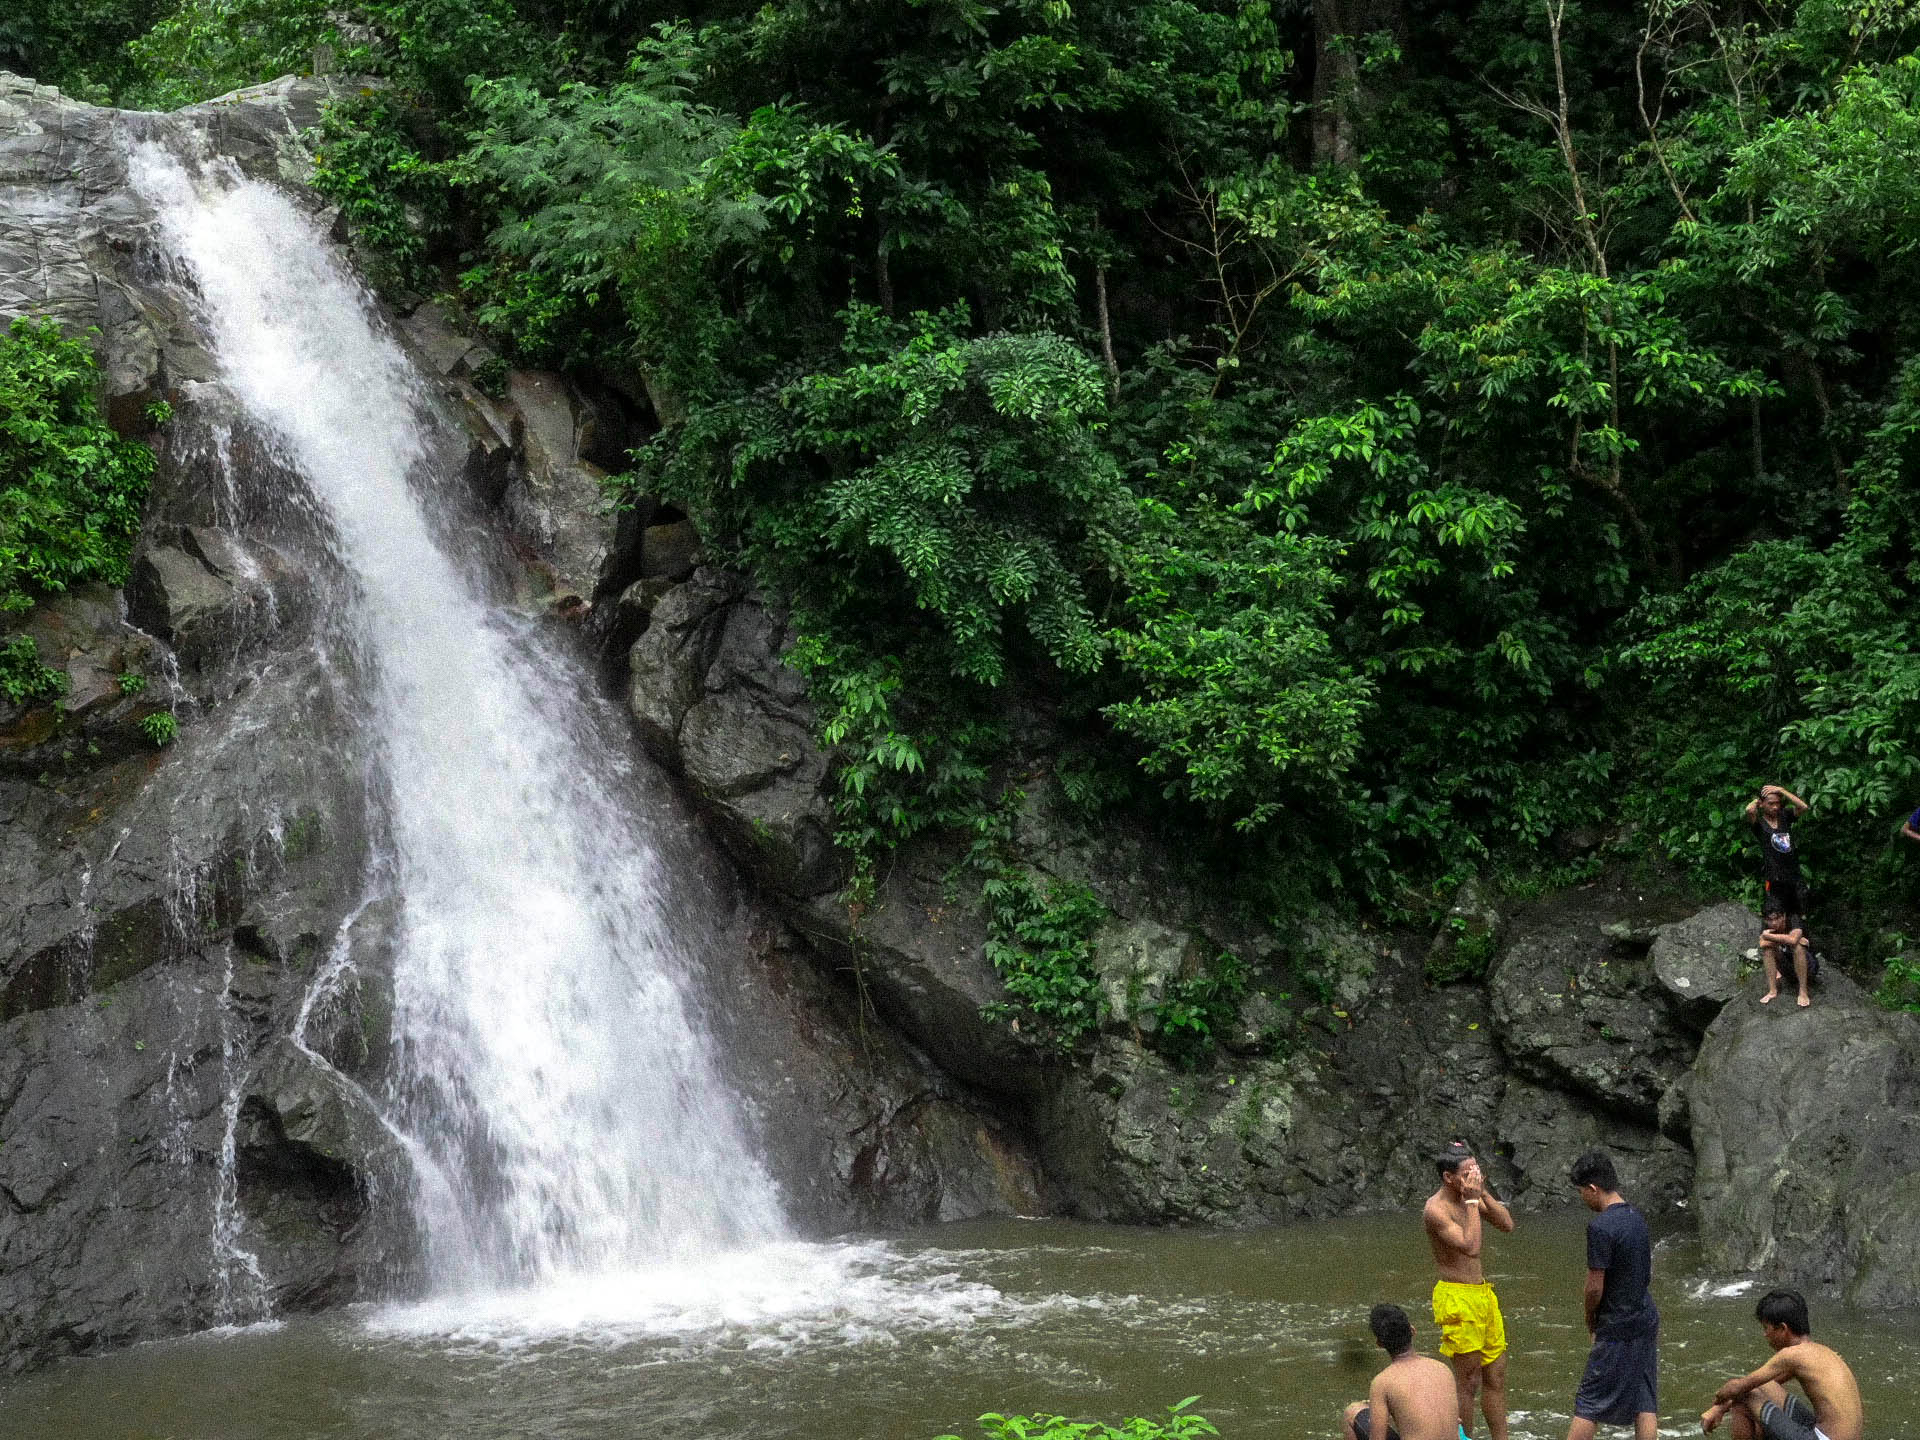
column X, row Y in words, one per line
column 909, row 1336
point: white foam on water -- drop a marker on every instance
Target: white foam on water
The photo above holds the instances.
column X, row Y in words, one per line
column 1719, row 1289
column 774, row 1298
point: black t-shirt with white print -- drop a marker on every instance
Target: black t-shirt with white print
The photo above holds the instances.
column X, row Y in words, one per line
column 1778, row 852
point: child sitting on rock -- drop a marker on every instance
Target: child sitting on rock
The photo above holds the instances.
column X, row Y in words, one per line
column 1781, row 932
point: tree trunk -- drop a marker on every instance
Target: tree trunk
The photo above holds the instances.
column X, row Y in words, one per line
column 1342, row 94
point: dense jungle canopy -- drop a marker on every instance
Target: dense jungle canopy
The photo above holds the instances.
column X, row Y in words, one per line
column 1387, row 437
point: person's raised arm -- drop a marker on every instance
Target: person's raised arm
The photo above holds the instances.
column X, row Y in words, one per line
column 1753, row 808
column 1800, row 807
column 1496, row 1212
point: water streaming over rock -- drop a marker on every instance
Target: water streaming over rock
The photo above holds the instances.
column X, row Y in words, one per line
column 553, row 1080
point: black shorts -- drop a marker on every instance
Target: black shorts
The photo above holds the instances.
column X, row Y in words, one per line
column 1622, row 1379
column 1793, row 1422
column 1783, row 954
column 1363, row 1425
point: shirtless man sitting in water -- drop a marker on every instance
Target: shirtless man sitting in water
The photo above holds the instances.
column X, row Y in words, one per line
column 1758, row 1404
column 1413, row 1396
column 1473, row 1336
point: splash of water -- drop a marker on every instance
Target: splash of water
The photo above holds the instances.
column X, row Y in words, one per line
column 548, row 1059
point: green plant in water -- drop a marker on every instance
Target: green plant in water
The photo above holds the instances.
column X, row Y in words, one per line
column 1181, row 1424
column 160, row 727
column 22, row 677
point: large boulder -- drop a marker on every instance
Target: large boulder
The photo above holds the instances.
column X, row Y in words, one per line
column 1806, row 1136
column 1578, row 1012
column 1697, row 960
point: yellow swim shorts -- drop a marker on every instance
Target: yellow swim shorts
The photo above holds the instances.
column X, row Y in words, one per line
column 1469, row 1320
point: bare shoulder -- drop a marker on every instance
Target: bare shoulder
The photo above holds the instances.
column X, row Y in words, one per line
column 1435, row 1210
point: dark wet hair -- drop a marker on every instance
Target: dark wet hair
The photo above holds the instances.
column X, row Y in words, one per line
column 1595, row 1168
column 1773, row 908
column 1452, row 1156
column 1784, row 1307
column 1392, row 1331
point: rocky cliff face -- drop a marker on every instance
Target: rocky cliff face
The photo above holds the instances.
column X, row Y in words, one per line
column 1608, row 1017
column 195, row 963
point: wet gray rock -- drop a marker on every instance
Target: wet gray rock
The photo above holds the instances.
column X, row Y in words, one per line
column 1578, row 1015
column 558, row 499
column 669, row 551
column 920, row 952
column 712, row 698
column 1543, row 1133
column 864, row 1131
column 1697, row 960
column 1467, row 934
column 173, row 595
column 1136, row 961
column 1806, row 1133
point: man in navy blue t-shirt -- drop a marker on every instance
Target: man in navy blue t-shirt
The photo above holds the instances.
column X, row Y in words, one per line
column 1622, row 1380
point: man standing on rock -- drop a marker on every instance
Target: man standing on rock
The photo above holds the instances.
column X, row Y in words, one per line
column 1779, row 856
column 1759, row 1404
column 1622, row 1381
column 1412, row 1399
column 1473, row 1337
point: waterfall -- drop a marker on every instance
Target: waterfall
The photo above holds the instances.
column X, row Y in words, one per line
column 550, row 1071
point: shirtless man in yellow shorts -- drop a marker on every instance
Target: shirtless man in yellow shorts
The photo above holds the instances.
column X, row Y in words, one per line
column 1473, row 1338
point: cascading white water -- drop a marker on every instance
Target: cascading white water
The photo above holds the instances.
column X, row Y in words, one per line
column 550, row 1070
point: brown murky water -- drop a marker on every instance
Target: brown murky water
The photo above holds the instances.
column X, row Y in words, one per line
column 905, row 1337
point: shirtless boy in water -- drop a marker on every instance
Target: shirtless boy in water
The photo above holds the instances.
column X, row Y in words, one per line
column 1413, row 1397
column 1758, row 1404
column 1473, row 1336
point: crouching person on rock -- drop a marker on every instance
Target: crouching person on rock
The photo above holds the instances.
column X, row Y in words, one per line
column 1413, row 1398
column 1758, row 1405
column 1787, row 950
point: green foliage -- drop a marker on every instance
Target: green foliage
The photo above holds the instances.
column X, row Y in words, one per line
column 1196, row 1008
column 1180, row 1424
column 23, row 678
column 205, row 48
column 70, row 489
column 132, row 682
column 160, row 727
column 1541, row 455
column 956, row 484
column 368, row 160
column 1041, row 943
column 1899, row 979
column 1466, row 956
column 75, row 44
